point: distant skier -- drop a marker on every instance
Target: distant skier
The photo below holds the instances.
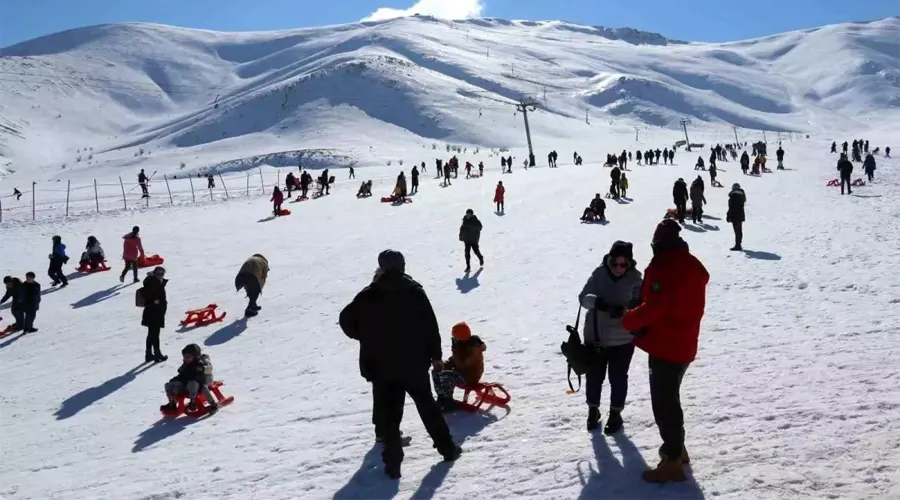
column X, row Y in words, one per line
column 142, row 181
column 470, row 235
column 735, row 215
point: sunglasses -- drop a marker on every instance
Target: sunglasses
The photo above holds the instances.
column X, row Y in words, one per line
column 621, row 265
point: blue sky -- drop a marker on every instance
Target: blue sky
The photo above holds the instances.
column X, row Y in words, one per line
column 695, row 20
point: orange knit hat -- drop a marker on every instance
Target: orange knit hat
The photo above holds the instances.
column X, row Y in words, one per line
column 461, row 331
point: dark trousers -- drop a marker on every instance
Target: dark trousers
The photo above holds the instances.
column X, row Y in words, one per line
column 152, row 347
column 870, row 174
column 681, row 210
column 472, row 247
column 19, row 316
column 55, row 271
column 665, row 398
column 415, row 187
column 132, row 265
column 697, row 212
column 738, row 227
column 144, row 189
column 276, row 208
column 615, row 361
column 845, row 180
column 28, row 317
column 389, row 398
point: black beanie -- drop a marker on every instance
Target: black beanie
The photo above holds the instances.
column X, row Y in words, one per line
column 621, row 249
column 391, row 260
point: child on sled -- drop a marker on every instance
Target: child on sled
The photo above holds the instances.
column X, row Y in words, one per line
column 465, row 366
column 194, row 376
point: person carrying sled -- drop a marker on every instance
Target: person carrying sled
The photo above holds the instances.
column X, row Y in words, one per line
column 673, row 301
column 470, row 234
column 735, row 214
column 845, row 167
column 58, row 257
column 277, row 199
column 154, row 315
column 93, row 255
column 680, row 197
column 252, row 278
column 396, row 350
column 15, row 292
column 465, row 366
column 869, row 166
column 132, row 250
column 499, row 194
column 612, row 288
column 194, row 376
column 697, row 200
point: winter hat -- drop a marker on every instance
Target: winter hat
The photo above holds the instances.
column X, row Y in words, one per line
column 470, row 212
column 735, row 186
column 621, row 249
column 135, row 230
column 461, row 331
column 7, row 280
column 391, row 260
column 666, row 231
column 192, row 349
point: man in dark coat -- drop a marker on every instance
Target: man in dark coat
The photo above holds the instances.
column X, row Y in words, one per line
column 17, row 306
column 869, row 166
column 31, row 302
column 697, row 200
column 154, row 316
column 615, row 176
column 399, row 341
column 680, row 197
column 470, row 235
column 845, row 167
column 735, row 215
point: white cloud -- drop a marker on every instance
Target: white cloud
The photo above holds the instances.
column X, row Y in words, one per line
column 442, row 9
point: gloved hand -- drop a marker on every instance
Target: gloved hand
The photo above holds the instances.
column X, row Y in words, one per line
column 616, row 311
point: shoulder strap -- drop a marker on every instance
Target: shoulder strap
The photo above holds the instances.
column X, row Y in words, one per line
column 578, row 317
column 572, row 390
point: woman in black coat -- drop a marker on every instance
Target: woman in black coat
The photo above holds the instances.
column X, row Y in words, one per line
column 154, row 317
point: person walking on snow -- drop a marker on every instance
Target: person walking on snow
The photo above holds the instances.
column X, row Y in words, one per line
column 869, row 166
column 154, row 315
column 352, row 173
column 779, row 155
column 735, row 215
column 611, row 289
column 470, row 235
column 252, row 278
column 697, row 200
column 14, row 291
column 277, row 199
column 132, row 250
column 673, row 301
column 499, row 194
column 680, row 197
column 833, row 147
column 31, row 302
column 623, row 186
column 615, row 176
column 396, row 350
column 415, row 180
column 845, row 167
column 142, row 181
column 58, row 257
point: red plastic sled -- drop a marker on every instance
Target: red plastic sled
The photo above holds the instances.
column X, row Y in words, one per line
column 490, row 394
column 393, row 199
column 87, row 269
column 202, row 317
column 284, row 211
column 150, row 261
column 202, row 407
column 833, row 182
column 300, row 198
column 6, row 331
column 672, row 213
column 858, row 182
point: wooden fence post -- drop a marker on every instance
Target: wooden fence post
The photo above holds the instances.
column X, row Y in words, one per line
column 124, row 201
column 223, row 185
column 96, row 196
column 166, row 178
column 33, row 197
column 191, row 180
column 248, row 183
column 68, row 188
column 261, row 183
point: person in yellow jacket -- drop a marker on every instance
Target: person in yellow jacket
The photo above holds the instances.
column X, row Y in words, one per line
column 252, row 278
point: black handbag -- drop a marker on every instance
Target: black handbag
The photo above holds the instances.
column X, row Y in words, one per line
column 579, row 357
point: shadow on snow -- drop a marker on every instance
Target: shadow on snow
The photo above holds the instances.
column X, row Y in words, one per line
column 78, row 402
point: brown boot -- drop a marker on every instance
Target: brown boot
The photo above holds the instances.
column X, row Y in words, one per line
column 666, row 471
column 685, row 459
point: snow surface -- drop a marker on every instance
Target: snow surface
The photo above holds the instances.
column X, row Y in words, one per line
column 793, row 395
column 107, row 97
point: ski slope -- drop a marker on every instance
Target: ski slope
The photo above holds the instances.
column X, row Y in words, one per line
column 113, row 98
column 793, row 395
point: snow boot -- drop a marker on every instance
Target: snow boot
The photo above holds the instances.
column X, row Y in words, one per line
column 159, row 358
column 451, row 454
column 613, row 423
column 447, row 404
column 213, row 408
column 737, row 248
column 169, row 407
column 149, row 358
column 667, row 471
column 392, row 471
column 191, row 406
column 250, row 312
column 685, row 458
column 593, row 420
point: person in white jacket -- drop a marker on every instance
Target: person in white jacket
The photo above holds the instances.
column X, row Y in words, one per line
column 93, row 255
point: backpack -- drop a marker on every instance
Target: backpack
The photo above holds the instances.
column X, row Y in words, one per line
column 579, row 357
column 139, row 300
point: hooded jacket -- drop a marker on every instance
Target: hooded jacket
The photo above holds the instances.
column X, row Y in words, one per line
column 132, row 247
column 605, row 328
column 256, row 266
column 470, row 230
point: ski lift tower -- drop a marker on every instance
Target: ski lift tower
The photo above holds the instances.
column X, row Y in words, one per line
column 525, row 106
column 684, row 123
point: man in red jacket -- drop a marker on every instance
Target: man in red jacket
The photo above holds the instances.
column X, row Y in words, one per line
column 667, row 324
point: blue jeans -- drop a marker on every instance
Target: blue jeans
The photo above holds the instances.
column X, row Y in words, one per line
column 615, row 361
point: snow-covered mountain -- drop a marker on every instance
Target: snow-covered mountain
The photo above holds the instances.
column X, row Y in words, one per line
column 112, row 95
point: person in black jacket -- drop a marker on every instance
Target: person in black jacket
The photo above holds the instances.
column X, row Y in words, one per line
column 194, row 377
column 470, row 235
column 845, row 167
column 154, row 316
column 14, row 292
column 615, row 176
column 414, row 175
column 31, row 302
column 735, row 215
column 680, row 197
column 869, row 166
column 399, row 341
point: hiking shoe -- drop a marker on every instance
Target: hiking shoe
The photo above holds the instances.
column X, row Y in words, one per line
column 451, row 454
column 667, row 471
column 613, row 423
column 160, row 358
column 169, row 407
column 685, row 459
column 392, row 471
column 593, row 419
column 213, row 408
column 191, row 406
